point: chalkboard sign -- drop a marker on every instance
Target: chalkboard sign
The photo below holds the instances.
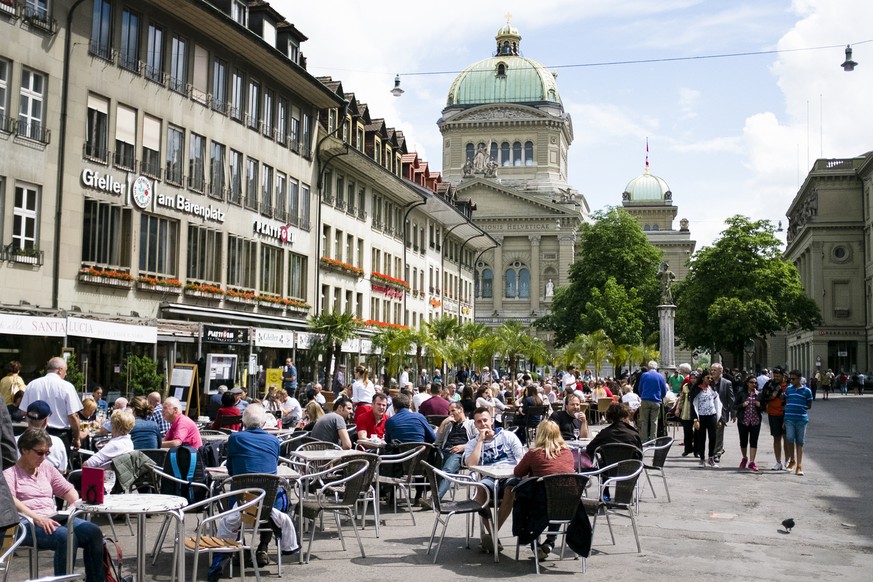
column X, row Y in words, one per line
column 183, row 385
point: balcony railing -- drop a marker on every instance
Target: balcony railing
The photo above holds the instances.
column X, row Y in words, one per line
column 152, row 169
column 196, row 183
column 7, row 124
column 93, row 152
column 34, row 130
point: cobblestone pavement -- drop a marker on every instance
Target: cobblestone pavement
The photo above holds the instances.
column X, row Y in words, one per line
column 722, row 523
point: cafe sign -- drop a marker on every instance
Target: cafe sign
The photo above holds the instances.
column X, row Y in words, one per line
column 281, row 233
column 226, row 335
column 103, row 182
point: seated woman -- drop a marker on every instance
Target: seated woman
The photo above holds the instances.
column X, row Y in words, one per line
column 313, row 412
column 120, row 424
column 34, row 484
column 525, row 417
column 145, row 434
column 485, row 397
column 548, row 455
column 228, row 408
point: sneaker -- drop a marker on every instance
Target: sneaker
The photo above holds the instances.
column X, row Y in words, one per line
column 799, row 470
column 790, row 465
column 711, row 462
column 262, row 558
column 425, row 504
column 543, row 551
column 701, row 463
column 753, row 466
column 777, row 466
column 717, row 458
column 743, row 463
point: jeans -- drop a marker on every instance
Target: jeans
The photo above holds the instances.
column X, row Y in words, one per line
column 649, row 411
column 451, row 464
column 86, row 535
column 707, row 428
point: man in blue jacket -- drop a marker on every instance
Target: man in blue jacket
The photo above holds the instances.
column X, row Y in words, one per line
column 653, row 388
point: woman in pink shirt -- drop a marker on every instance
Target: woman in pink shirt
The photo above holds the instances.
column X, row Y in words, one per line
column 34, row 484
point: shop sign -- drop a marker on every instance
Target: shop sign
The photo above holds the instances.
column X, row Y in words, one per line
column 390, row 292
column 36, row 326
column 103, row 182
column 226, row 335
column 183, row 204
column 278, row 232
column 351, row 346
column 366, row 346
column 142, row 192
column 304, row 339
column 274, row 338
column 123, row 332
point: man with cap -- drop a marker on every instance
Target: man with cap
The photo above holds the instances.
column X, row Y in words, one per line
column 241, row 402
column 36, row 416
column 62, row 399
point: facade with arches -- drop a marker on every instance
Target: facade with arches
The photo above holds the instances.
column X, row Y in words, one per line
column 506, row 137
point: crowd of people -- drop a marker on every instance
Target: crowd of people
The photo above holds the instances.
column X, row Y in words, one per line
column 467, row 420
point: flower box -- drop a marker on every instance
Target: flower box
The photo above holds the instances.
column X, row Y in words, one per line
column 241, row 296
column 105, row 277
column 340, row 267
column 142, row 286
column 271, row 304
column 387, row 280
column 26, row 259
column 202, row 294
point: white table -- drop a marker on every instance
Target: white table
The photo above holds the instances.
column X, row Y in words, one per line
column 497, row 471
column 139, row 504
column 214, row 437
column 283, row 471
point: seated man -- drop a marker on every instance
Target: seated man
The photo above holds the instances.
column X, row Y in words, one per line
column 436, row 404
column 332, row 426
column 407, row 426
column 371, row 423
column 37, row 417
column 571, row 418
column 492, row 447
column 254, row 451
column 182, row 431
column 452, row 437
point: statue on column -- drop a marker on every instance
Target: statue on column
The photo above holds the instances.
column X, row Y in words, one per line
column 550, row 288
column 666, row 277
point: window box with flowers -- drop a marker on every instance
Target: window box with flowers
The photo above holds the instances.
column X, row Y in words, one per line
column 241, row 296
column 154, row 284
column 105, row 276
column 203, row 290
column 296, row 305
column 341, row 267
column 271, row 301
column 389, row 281
column 384, row 324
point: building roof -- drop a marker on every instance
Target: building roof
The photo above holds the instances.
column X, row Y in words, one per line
column 647, row 187
column 505, row 77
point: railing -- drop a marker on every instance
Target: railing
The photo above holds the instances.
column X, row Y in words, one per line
column 101, row 51
column 35, row 131
column 125, row 161
column 25, row 256
column 7, row 124
column 96, row 154
column 152, row 169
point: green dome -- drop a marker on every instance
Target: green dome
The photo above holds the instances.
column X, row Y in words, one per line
column 647, row 188
column 506, row 77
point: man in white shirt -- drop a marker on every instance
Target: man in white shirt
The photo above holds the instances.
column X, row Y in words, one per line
column 568, row 380
column 404, row 377
column 763, row 378
column 420, row 397
column 62, row 399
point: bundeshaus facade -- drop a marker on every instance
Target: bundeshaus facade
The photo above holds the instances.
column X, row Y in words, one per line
column 159, row 190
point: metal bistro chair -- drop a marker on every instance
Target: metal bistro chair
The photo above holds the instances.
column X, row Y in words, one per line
column 622, row 477
column 611, row 453
column 368, row 494
column 249, row 508
column 563, row 495
column 403, row 478
column 229, row 421
column 659, row 448
column 339, row 497
column 270, row 485
column 13, row 537
column 444, row 510
column 171, row 485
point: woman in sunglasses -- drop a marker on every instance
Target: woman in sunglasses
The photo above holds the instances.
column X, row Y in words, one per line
column 748, row 413
column 34, row 484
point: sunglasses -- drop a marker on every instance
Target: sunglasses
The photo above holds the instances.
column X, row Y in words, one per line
column 41, row 453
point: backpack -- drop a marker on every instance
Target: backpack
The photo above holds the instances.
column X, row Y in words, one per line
column 112, row 562
column 184, row 462
column 212, row 453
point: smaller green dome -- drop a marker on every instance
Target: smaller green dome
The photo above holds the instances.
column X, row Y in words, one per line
column 647, row 188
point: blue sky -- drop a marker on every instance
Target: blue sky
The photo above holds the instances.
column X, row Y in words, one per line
column 729, row 135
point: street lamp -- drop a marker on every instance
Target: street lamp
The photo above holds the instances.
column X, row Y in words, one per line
column 397, row 91
column 848, row 65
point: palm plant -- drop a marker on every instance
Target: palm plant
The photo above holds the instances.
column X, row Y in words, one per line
column 512, row 341
column 442, row 339
column 618, row 356
column 333, row 329
column 641, row 353
column 597, row 348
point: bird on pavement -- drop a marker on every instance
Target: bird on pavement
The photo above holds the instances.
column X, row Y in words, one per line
column 788, row 524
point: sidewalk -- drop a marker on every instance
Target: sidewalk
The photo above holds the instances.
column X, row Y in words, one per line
column 722, row 523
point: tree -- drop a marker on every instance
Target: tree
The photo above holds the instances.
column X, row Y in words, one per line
column 741, row 288
column 512, row 341
column 142, row 375
column 618, row 357
column 333, row 329
column 442, row 346
column 613, row 283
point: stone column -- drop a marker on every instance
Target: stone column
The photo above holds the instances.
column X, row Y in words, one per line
column 535, row 291
column 666, row 320
column 498, row 268
column 566, row 256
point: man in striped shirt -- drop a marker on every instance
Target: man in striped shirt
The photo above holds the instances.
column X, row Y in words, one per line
column 798, row 401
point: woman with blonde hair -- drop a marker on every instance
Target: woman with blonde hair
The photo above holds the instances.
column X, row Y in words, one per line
column 549, row 455
column 313, row 412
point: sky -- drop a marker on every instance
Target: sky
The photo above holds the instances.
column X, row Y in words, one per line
column 731, row 135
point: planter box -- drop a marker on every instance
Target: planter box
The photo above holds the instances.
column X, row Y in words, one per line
column 271, row 305
column 165, row 289
column 240, row 300
column 25, row 259
column 203, row 294
column 105, row 281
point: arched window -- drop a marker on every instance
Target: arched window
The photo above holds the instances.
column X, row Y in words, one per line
column 524, row 284
column 646, row 228
column 471, row 151
column 504, row 154
column 501, row 70
column 552, row 95
column 510, row 287
column 506, row 49
column 528, row 153
column 655, row 227
column 494, row 155
column 516, row 154
column 487, row 284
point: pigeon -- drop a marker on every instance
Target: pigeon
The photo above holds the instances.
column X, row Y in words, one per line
column 788, row 524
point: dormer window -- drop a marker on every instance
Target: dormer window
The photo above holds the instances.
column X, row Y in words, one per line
column 501, row 70
column 239, row 11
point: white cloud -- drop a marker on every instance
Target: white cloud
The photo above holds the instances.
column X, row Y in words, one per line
column 688, row 99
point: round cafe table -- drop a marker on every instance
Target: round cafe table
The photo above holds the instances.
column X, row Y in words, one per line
column 139, row 504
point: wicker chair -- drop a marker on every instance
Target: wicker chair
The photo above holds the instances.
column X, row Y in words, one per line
column 369, row 492
column 408, row 461
column 13, row 537
column 622, row 476
column 270, row 485
column 659, row 448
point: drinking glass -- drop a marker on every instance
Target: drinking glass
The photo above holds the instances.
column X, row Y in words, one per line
column 108, row 480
